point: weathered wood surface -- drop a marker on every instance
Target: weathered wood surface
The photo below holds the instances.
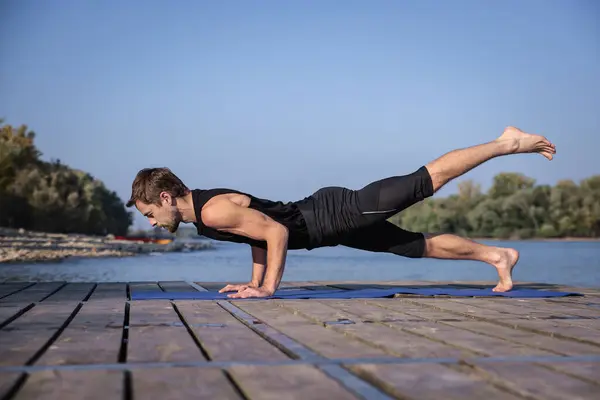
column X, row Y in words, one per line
column 89, row 340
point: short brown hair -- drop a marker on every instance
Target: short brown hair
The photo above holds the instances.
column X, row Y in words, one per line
column 150, row 182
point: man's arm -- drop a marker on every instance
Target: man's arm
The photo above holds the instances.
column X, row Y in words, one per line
column 259, row 263
column 227, row 216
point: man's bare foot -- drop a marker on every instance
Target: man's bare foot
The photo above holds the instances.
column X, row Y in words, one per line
column 521, row 142
column 508, row 259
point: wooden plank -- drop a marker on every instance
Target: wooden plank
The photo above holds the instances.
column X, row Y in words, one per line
column 157, row 334
column 587, row 291
column 95, row 384
column 33, row 293
column 532, row 380
column 142, row 287
column 388, row 311
column 42, row 317
column 584, row 370
column 7, row 381
column 93, row 337
column 548, row 343
column 326, row 342
column 110, row 292
column 361, row 388
column 562, row 315
column 543, row 342
column 224, row 337
column 393, row 341
column 71, row 292
column 10, row 312
column 25, row 336
column 548, row 327
column 576, row 333
column 216, row 286
column 445, row 306
column 288, row 382
column 428, row 381
column 309, row 285
column 534, row 307
column 579, row 302
column 556, row 307
column 472, row 341
column 475, row 342
column 353, row 285
column 176, row 286
column 179, row 382
column 9, row 288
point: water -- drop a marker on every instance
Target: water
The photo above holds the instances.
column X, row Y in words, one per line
column 568, row 263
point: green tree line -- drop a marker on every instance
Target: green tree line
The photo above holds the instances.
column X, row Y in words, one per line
column 50, row 196
column 513, row 208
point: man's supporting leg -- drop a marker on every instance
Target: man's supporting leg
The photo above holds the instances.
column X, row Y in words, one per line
column 386, row 237
column 458, row 162
column 452, row 247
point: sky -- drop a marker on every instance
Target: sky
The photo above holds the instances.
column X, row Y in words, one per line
column 280, row 98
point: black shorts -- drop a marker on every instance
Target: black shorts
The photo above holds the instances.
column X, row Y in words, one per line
column 358, row 218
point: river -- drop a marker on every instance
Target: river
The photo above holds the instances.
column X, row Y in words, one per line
column 571, row 263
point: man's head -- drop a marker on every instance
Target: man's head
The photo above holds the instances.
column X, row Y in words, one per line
column 154, row 193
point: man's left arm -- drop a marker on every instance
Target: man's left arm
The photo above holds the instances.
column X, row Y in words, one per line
column 228, row 216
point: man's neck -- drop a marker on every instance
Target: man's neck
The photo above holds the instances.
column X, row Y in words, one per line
column 185, row 205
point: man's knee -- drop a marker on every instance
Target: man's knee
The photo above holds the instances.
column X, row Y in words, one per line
column 429, row 243
column 436, row 178
column 413, row 246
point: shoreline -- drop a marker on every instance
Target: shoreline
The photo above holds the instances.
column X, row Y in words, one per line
column 20, row 246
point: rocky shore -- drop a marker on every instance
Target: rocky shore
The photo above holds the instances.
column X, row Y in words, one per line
column 27, row 246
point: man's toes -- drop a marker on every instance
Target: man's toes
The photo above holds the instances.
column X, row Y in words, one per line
column 549, row 149
column 543, row 141
column 548, row 155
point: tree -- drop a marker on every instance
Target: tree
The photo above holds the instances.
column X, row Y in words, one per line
column 590, row 194
column 50, row 196
column 506, row 184
column 514, row 207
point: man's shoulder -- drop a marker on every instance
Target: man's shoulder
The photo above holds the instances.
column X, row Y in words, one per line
column 203, row 196
column 213, row 201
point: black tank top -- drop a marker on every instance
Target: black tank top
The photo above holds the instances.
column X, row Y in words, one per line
column 287, row 214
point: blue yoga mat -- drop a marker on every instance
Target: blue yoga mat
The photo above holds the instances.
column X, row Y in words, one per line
column 355, row 294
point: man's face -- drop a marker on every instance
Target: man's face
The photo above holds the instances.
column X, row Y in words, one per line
column 165, row 216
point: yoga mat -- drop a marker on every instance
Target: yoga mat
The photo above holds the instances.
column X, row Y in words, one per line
column 355, row 294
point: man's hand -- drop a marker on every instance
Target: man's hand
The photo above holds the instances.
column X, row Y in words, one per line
column 251, row 292
column 238, row 287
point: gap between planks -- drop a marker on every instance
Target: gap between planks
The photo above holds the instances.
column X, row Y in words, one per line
column 314, row 362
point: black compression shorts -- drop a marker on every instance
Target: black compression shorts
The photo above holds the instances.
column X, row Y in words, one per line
column 358, row 218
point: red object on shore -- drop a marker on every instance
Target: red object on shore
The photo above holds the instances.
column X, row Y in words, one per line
column 136, row 239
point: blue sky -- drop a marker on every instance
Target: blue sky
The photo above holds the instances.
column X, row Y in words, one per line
column 279, row 98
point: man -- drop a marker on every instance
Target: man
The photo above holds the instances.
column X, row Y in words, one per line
column 331, row 216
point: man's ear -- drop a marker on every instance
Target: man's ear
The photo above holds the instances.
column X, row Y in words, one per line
column 166, row 198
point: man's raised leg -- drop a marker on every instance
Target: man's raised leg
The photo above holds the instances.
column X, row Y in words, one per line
column 452, row 247
column 458, row 162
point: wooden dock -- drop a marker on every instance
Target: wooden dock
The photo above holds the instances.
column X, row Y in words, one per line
column 91, row 341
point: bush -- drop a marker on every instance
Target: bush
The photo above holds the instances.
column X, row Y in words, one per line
column 50, row 196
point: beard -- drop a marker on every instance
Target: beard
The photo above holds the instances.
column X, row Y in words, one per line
column 173, row 225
